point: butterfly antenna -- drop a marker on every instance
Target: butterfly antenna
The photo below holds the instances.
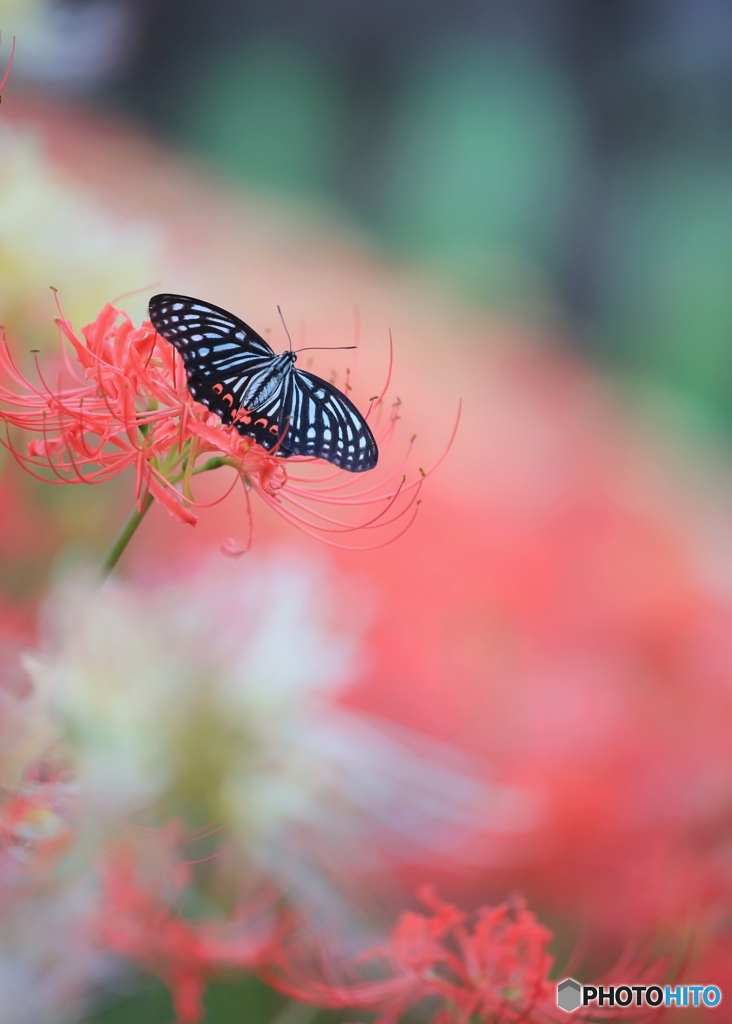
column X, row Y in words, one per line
column 311, row 348
column 325, row 348
column 285, row 326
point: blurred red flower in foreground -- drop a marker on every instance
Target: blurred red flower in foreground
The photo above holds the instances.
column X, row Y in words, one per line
column 491, row 965
column 126, row 405
column 498, row 966
column 138, row 922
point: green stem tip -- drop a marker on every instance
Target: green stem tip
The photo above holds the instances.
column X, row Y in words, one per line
column 124, row 537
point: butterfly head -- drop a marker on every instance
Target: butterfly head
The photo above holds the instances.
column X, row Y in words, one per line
column 283, row 362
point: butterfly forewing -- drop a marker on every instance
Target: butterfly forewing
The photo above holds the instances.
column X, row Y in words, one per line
column 235, row 373
column 214, row 344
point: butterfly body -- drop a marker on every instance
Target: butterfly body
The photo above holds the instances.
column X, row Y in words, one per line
column 233, row 371
column 264, row 383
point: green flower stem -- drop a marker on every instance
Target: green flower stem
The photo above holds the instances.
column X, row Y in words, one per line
column 134, row 519
column 124, row 537
column 214, row 463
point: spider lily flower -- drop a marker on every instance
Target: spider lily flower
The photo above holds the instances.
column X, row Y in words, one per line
column 495, row 965
column 139, row 921
column 120, row 403
column 445, row 966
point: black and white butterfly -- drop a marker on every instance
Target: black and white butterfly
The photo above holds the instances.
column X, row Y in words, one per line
column 234, row 372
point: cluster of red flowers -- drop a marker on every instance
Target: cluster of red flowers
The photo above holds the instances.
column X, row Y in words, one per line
column 454, row 967
column 494, row 967
column 124, row 404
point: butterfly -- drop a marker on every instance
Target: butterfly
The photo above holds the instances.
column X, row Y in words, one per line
column 235, row 373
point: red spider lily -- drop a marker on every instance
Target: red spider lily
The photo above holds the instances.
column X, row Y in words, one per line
column 123, row 404
column 138, row 921
column 489, row 966
column 495, row 967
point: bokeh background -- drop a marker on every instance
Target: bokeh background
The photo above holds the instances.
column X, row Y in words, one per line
column 565, row 162
column 536, row 198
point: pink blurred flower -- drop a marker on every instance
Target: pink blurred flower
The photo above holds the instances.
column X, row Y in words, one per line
column 125, row 405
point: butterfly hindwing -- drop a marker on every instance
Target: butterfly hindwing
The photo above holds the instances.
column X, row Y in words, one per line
column 327, row 425
column 261, row 425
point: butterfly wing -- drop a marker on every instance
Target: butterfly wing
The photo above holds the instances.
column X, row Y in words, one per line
column 214, row 344
column 220, row 355
column 322, row 422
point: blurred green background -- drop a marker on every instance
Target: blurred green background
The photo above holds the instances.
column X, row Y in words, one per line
column 563, row 160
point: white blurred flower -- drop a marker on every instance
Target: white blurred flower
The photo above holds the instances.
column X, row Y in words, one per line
column 70, row 45
column 48, row 895
column 48, row 963
column 27, row 729
column 217, row 697
column 52, row 233
column 13, row 10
